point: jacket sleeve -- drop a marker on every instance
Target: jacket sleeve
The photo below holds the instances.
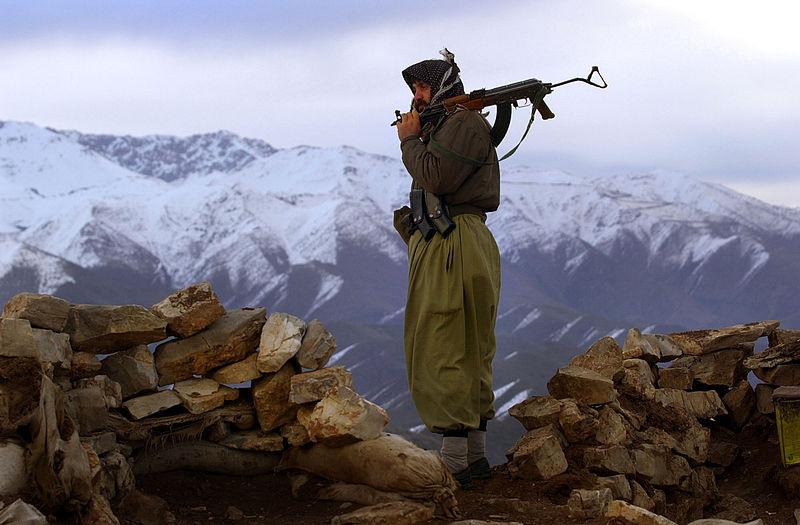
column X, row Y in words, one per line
column 441, row 174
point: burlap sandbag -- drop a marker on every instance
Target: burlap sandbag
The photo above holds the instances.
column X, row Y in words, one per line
column 388, row 464
column 61, row 473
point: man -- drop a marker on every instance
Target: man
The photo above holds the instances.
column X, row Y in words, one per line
column 453, row 280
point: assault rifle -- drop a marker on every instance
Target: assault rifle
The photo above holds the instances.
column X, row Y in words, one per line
column 504, row 97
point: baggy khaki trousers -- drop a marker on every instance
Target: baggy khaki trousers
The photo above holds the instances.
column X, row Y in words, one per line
column 451, row 310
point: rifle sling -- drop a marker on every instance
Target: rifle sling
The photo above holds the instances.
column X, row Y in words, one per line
column 535, row 102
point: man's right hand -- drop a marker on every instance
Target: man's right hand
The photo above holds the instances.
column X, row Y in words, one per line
column 408, row 125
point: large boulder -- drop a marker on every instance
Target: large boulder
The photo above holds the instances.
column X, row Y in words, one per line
column 317, row 347
column 101, row 329
column 313, row 386
column 652, row 348
column 538, row 455
column 676, row 377
column 603, row 357
column 271, row 398
column 536, row 412
column 231, row 338
column 699, row 342
column 343, row 417
column 16, row 339
column 134, row 369
column 43, row 311
column 583, row 385
column 190, row 310
column 281, row 339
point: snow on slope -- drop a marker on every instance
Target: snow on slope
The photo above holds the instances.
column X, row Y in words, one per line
column 250, row 216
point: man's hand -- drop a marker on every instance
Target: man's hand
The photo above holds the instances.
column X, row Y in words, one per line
column 408, row 125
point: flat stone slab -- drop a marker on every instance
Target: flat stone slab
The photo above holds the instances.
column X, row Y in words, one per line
column 202, row 395
column 787, row 352
column 578, row 423
column 231, row 338
column 603, row 357
column 43, row 311
column 699, row 342
column 614, row 458
column 391, row 513
column 633, row 515
column 111, row 389
column 740, row 402
column 238, row 372
column 643, row 369
column 313, row 386
column 587, row 504
column 764, row 402
column 147, row 405
column 700, row 404
column 781, row 375
column 190, row 310
column 254, row 440
column 536, row 412
column 657, row 464
column 134, row 369
column 281, row 339
column 538, row 455
column 271, row 398
column 780, row 336
column 676, row 377
column 87, row 407
column 720, row 368
column 84, row 364
column 296, row 434
column 317, row 347
column 583, row 385
column 343, row 417
column 16, row 339
column 102, row 329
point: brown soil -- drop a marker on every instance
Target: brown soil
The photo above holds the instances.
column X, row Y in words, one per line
column 197, row 498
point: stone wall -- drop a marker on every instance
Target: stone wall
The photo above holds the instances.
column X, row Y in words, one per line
column 83, row 395
column 654, row 422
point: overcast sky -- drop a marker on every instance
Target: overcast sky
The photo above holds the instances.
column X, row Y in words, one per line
column 704, row 87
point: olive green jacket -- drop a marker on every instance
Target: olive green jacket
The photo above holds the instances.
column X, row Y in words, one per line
column 465, row 186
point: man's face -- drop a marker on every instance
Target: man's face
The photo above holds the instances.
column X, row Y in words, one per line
column 422, row 95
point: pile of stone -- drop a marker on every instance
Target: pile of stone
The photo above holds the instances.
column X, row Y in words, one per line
column 654, row 422
column 80, row 382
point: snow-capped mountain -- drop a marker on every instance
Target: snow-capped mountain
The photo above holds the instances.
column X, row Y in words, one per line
column 96, row 218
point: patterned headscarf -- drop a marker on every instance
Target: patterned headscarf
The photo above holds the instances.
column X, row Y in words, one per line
column 442, row 75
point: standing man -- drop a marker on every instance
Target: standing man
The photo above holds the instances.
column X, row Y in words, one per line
column 453, row 279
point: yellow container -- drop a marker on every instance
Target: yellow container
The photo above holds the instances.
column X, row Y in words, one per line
column 787, row 417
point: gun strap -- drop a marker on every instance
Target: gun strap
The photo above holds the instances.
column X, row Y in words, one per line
column 536, row 101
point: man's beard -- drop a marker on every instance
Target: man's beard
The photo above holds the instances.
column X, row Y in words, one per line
column 419, row 105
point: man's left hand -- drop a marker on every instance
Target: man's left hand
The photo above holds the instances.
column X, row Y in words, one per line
column 408, row 125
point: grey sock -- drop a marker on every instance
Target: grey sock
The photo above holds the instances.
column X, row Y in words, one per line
column 454, row 453
column 476, row 445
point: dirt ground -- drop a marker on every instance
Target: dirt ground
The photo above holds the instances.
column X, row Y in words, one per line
column 196, row 498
